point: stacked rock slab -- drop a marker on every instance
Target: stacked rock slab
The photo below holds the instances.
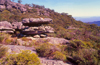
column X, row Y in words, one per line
column 6, row 27
column 35, row 26
column 28, row 26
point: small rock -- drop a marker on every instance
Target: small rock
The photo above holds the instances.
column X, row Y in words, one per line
column 36, row 36
column 43, row 36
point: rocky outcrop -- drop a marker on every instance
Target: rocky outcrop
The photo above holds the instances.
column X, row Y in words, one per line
column 38, row 30
column 18, row 49
column 52, row 40
column 25, row 28
column 6, row 27
column 7, row 4
column 18, row 25
column 35, row 26
column 36, row 21
column 2, row 2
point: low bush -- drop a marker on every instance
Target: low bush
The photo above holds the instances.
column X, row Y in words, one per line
column 46, row 49
column 59, row 56
column 3, row 36
column 8, row 41
column 86, row 57
column 3, row 51
column 23, row 58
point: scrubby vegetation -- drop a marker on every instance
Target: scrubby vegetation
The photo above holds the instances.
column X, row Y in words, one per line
column 84, row 46
column 3, row 51
column 23, row 58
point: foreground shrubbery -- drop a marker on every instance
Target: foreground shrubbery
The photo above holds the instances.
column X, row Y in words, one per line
column 23, row 58
column 83, row 53
column 59, row 56
column 3, row 51
column 50, row 51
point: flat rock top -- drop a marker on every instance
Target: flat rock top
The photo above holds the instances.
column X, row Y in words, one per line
column 37, row 20
column 17, row 49
column 52, row 40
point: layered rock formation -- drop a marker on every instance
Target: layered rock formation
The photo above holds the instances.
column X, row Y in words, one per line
column 28, row 26
column 35, row 26
column 36, row 21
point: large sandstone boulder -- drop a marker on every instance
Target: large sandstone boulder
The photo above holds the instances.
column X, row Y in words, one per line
column 47, row 29
column 2, row 7
column 38, row 30
column 36, row 21
column 6, row 27
column 18, row 25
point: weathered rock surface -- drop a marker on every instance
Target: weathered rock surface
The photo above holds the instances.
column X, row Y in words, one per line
column 10, row 5
column 43, row 36
column 6, row 27
column 18, row 25
column 38, row 30
column 36, row 36
column 2, row 2
column 18, row 49
column 47, row 29
column 51, row 40
column 32, row 32
column 36, row 21
column 52, row 62
column 2, row 7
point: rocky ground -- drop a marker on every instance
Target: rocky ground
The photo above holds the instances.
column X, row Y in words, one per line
column 44, row 61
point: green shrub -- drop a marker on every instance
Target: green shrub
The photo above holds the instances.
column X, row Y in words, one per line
column 8, row 41
column 23, row 58
column 3, row 51
column 1, row 38
column 59, row 56
column 46, row 49
column 86, row 57
column 24, row 39
column 79, row 44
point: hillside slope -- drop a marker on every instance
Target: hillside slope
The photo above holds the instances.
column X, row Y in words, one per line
column 83, row 47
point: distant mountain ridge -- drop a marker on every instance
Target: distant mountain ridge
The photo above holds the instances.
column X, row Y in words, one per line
column 88, row 19
column 95, row 22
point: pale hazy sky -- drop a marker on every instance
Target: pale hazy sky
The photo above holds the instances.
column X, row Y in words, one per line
column 76, row 8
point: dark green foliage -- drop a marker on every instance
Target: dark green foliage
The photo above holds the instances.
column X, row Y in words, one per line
column 46, row 49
